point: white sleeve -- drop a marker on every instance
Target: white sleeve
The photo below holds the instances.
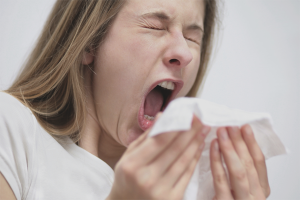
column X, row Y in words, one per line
column 17, row 144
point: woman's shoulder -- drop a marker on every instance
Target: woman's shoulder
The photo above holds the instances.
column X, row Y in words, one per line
column 13, row 110
column 17, row 122
column 17, row 142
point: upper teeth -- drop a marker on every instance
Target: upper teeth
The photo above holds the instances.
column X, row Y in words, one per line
column 167, row 84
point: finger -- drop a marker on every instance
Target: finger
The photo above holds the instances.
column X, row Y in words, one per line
column 181, row 147
column 181, row 185
column 246, row 159
column 142, row 138
column 237, row 173
column 154, row 146
column 183, row 157
column 221, row 184
column 258, row 158
column 137, row 142
column 149, row 174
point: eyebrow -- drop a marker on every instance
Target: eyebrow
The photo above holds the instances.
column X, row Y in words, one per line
column 164, row 17
column 195, row 27
column 160, row 15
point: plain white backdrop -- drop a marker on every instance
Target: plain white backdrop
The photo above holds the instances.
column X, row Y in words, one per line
column 256, row 67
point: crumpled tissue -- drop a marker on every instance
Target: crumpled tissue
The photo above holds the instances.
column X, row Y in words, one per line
column 178, row 117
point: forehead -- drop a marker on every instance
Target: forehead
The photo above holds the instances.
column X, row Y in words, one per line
column 183, row 11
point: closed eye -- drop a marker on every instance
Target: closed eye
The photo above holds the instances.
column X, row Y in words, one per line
column 154, row 28
column 160, row 29
column 192, row 40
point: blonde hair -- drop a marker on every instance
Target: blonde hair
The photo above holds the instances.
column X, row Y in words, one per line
column 51, row 82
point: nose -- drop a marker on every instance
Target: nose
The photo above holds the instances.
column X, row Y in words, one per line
column 178, row 54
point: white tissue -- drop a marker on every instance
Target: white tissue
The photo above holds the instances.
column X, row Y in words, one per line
column 178, row 117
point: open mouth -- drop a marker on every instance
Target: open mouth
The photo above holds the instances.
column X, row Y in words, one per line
column 157, row 100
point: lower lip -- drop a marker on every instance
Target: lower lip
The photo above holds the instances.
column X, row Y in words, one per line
column 143, row 122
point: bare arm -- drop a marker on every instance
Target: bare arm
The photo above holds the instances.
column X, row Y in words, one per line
column 6, row 192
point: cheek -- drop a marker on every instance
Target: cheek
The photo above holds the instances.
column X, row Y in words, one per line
column 144, row 50
column 122, row 66
column 118, row 65
column 190, row 73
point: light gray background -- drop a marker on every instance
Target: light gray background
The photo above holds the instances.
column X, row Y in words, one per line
column 255, row 67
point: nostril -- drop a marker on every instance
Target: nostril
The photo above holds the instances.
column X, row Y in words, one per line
column 174, row 61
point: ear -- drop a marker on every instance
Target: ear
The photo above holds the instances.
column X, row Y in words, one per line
column 88, row 57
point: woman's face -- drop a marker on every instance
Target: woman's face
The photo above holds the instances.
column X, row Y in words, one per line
column 148, row 43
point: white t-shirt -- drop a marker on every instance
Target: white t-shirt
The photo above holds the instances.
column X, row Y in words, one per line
column 36, row 166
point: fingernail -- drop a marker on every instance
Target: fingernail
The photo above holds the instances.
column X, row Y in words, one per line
column 157, row 116
column 248, row 130
column 216, row 146
column 205, row 130
column 223, row 134
column 234, row 129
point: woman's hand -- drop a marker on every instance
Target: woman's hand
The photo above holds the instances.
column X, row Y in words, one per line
column 245, row 165
column 159, row 167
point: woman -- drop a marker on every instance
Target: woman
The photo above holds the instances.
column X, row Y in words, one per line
column 100, row 73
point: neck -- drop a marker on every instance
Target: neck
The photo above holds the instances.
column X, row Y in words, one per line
column 109, row 150
column 93, row 138
column 100, row 143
